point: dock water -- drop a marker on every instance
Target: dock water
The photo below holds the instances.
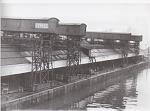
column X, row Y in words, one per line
column 49, row 94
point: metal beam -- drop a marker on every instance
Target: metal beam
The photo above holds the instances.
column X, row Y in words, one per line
column 51, row 25
column 42, row 63
column 73, row 55
column 113, row 36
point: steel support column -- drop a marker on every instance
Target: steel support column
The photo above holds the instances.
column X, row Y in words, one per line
column 73, row 55
column 124, row 50
column 136, row 48
column 42, row 65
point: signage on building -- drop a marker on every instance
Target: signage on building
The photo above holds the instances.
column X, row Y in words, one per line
column 41, row 25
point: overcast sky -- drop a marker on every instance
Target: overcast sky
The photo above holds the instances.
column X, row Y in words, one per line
column 111, row 17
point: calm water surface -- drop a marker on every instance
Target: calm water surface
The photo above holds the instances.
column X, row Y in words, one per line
column 130, row 94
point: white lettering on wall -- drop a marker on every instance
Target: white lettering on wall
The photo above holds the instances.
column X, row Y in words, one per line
column 41, row 25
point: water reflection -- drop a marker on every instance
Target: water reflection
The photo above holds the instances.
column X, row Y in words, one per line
column 131, row 93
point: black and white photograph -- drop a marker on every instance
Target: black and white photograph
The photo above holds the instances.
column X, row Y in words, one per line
column 75, row 55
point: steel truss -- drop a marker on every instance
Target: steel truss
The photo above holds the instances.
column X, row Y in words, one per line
column 73, row 56
column 41, row 43
column 42, row 63
column 124, row 46
column 136, row 48
column 92, row 61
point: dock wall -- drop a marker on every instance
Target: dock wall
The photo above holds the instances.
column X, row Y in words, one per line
column 49, row 94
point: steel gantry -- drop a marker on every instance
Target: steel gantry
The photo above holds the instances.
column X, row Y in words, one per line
column 124, row 46
column 42, row 63
column 116, row 41
column 73, row 56
column 40, row 45
column 41, row 34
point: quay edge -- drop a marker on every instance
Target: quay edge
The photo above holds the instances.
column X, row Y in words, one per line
column 61, row 90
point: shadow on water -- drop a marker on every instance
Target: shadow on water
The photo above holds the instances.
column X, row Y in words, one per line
column 118, row 93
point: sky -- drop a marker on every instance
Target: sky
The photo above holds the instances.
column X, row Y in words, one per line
column 98, row 16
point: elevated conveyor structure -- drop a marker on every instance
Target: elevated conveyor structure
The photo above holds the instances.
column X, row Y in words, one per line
column 40, row 34
column 45, row 45
column 123, row 41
